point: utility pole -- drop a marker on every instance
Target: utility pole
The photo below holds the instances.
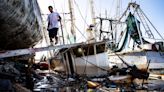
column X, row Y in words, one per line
column 72, row 20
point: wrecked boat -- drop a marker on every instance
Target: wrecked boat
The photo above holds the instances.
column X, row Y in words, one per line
column 83, row 59
column 20, row 24
column 20, row 28
column 133, row 47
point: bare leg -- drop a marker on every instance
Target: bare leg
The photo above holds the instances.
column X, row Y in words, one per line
column 51, row 39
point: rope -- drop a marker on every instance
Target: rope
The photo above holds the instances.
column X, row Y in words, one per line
column 86, row 16
column 110, row 11
column 96, row 65
column 87, row 60
column 64, row 22
column 80, row 13
column 92, row 63
column 100, row 6
column 152, row 25
column 80, row 32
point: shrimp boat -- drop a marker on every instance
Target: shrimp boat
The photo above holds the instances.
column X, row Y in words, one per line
column 132, row 46
column 95, row 58
column 89, row 59
column 20, row 24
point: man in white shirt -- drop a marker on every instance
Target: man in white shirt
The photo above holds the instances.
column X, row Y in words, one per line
column 53, row 19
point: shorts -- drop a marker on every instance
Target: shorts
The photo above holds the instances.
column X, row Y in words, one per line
column 53, row 32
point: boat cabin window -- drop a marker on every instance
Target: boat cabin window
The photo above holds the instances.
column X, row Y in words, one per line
column 88, row 50
column 83, row 51
column 100, row 48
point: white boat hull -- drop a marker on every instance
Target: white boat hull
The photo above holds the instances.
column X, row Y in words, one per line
column 89, row 59
column 91, row 65
column 139, row 58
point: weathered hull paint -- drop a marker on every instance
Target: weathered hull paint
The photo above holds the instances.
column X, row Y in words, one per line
column 20, row 24
column 140, row 59
column 91, row 65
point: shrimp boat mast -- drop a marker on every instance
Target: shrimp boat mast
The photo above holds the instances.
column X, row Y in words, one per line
column 132, row 46
column 73, row 60
column 23, row 25
column 87, row 58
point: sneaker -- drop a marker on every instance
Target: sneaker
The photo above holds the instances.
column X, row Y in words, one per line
column 56, row 42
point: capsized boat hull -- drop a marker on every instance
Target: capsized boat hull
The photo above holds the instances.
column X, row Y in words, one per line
column 20, row 24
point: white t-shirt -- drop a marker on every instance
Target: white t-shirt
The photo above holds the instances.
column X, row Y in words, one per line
column 53, row 20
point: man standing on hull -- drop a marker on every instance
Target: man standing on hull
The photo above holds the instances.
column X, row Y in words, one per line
column 53, row 19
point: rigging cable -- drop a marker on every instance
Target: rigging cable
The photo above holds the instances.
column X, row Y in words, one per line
column 152, row 25
column 100, row 7
column 86, row 59
column 80, row 32
column 65, row 27
column 80, row 13
column 95, row 65
column 86, row 15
